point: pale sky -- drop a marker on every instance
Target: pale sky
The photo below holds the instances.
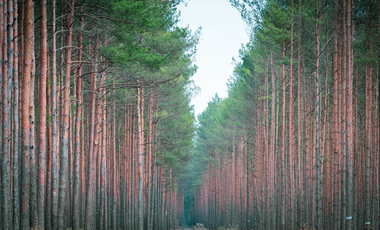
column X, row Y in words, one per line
column 223, row 32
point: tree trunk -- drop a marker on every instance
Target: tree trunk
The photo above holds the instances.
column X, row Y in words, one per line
column 25, row 111
column 5, row 157
column 292, row 195
column 89, row 222
column 378, row 105
column 283, row 179
column 368, row 129
column 350, row 141
column 98, row 148
column 140, row 114
column 16, row 133
column 55, row 138
column 299, row 125
column 318, row 193
column 272, row 164
column 335, row 126
column 150, row 151
column 78, row 117
column 42, row 116
column 343, row 120
column 65, row 119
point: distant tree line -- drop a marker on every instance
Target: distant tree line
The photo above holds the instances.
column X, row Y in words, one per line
column 296, row 143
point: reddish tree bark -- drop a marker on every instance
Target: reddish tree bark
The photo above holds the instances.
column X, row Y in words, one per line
column 350, row 141
column 318, row 163
column 283, row 113
column 378, row 105
column 65, row 119
column 291, row 138
column 16, row 122
column 335, row 124
column 272, row 164
column 299, row 120
column 55, row 129
column 140, row 117
column 5, row 157
column 42, row 116
column 368, row 128
column 91, row 176
column 25, row 111
column 77, row 145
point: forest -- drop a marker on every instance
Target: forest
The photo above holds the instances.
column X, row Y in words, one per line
column 295, row 145
column 98, row 132
column 95, row 117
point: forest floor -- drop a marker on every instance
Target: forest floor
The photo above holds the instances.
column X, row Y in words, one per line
column 195, row 228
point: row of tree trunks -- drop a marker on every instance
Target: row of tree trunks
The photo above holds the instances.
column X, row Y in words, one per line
column 76, row 164
column 322, row 150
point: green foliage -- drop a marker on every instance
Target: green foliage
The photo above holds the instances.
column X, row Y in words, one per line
column 147, row 48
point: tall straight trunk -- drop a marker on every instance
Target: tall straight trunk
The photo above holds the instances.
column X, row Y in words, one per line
column 283, row 180
column 350, row 141
column 97, row 139
column 78, row 117
column 65, row 119
column 5, row 157
column 114, row 188
column 154, row 178
column 267, row 153
column 33, row 155
column 343, row 120
column 127, row 147
column 335, row 125
column 357, row 157
column 272, row 164
column 133, row 169
column 318, row 192
column 378, row 101
column 150, row 150
column 42, row 116
column 25, row 111
column 325, row 150
column 247, row 182
column 83, row 186
column 233, row 178
column 299, row 122
column 2, row 18
column 55, row 138
column 1, row 84
column 306, row 180
column 292, row 195
column 91, row 157
column 103, row 159
column 140, row 114
column 49, row 135
column 368, row 129
column 97, row 146
column 16, row 133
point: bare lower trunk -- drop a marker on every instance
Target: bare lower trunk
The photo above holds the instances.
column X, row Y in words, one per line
column 77, row 145
column 5, row 156
column 42, row 116
column 25, row 111
column 140, row 114
column 92, row 154
column 16, row 133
